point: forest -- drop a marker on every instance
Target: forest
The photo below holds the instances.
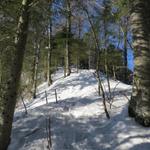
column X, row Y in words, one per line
column 74, row 74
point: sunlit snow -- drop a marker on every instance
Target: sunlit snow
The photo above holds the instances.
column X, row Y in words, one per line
column 78, row 120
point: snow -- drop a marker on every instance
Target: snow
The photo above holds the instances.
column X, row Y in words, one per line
column 78, row 120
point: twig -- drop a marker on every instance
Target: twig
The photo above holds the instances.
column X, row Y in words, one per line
column 103, row 94
column 26, row 112
column 115, row 88
column 46, row 97
column 56, row 96
column 32, row 132
column 125, row 96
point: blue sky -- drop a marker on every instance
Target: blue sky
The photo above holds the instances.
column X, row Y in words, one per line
column 130, row 60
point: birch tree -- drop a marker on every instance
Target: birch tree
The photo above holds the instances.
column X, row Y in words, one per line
column 139, row 106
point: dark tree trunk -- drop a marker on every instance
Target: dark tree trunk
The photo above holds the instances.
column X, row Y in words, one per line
column 125, row 58
column 36, row 65
column 79, row 36
column 125, row 39
column 8, row 91
column 106, row 10
column 139, row 106
column 49, row 65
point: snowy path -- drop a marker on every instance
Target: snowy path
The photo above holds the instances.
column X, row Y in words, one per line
column 78, row 121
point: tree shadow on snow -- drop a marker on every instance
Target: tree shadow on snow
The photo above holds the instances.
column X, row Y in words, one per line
column 69, row 133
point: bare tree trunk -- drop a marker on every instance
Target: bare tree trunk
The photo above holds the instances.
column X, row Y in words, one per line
column 105, row 50
column 24, row 105
column 125, row 57
column 49, row 65
column 8, row 91
column 139, row 105
column 97, row 50
column 114, row 73
column 124, row 30
column 89, row 59
column 36, row 64
column 79, row 36
column 67, row 70
column 100, row 87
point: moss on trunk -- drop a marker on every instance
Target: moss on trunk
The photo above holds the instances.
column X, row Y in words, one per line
column 10, row 82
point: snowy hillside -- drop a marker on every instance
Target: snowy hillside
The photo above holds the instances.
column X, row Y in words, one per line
column 78, row 120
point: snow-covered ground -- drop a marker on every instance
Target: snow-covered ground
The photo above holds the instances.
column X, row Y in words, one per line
column 78, row 121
